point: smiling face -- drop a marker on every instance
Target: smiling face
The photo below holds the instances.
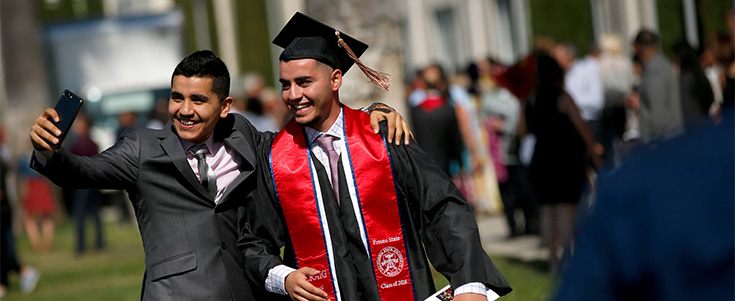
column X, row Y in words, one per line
column 195, row 108
column 309, row 90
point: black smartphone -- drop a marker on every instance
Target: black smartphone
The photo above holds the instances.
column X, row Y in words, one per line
column 68, row 108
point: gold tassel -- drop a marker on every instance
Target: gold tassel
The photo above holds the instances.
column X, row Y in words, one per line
column 381, row 79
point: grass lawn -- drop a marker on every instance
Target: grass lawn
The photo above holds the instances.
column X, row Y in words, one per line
column 116, row 273
column 530, row 281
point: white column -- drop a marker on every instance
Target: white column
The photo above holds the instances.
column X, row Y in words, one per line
column 598, row 18
column 417, row 32
column 226, row 35
column 522, row 30
column 633, row 19
column 490, row 8
column 478, row 30
column 110, row 8
column 690, row 22
column 201, row 29
column 279, row 12
column 160, row 6
column 650, row 15
column 290, row 7
column 3, row 94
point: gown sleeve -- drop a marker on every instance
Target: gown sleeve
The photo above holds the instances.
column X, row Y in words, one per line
column 444, row 219
column 262, row 232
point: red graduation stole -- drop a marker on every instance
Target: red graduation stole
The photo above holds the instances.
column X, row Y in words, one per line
column 302, row 206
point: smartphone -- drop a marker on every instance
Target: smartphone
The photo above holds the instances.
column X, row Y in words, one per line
column 68, row 108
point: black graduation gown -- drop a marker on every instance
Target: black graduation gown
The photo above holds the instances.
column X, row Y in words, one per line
column 437, row 223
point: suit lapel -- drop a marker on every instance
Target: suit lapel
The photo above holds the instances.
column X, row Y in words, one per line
column 172, row 146
column 237, row 142
column 242, row 147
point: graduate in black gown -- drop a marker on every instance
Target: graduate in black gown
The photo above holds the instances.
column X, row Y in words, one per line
column 358, row 215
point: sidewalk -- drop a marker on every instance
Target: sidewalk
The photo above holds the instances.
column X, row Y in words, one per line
column 494, row 236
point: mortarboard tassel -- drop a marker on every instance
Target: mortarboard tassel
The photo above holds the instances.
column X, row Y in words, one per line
column 381, row 79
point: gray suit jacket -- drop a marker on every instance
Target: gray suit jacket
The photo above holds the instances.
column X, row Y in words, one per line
column 190, row 243
column 660, row 109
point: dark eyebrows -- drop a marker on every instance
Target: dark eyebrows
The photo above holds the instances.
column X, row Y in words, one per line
column 298, row 79
column 178, row 95
column 200, row 96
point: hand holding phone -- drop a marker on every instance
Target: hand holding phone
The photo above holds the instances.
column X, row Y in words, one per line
column 50, row 128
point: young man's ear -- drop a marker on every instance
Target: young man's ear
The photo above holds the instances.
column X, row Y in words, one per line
column 225, row 107
column 335, row 79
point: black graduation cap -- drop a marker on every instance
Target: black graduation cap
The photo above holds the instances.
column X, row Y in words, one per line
column 303, row 37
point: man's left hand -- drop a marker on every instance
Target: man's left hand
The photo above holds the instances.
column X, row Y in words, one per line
column 470, row 297
column 397, row 126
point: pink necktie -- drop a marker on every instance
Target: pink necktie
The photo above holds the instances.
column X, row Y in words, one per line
column 325, row 141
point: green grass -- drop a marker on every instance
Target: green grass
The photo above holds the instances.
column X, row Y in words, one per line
column 116, row 273
column 530, row 280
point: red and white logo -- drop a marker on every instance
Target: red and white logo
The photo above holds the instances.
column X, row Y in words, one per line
column 390, row 261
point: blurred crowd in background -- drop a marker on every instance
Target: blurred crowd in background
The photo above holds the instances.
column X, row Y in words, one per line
column 542, row 130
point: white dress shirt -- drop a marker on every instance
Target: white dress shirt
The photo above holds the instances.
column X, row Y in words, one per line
column 582, row 82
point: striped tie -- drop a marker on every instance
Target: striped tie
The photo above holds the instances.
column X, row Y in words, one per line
column 208, row 178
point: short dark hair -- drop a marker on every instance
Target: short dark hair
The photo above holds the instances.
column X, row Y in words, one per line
column 646, row 39
column 549, row 74
column 205, row 64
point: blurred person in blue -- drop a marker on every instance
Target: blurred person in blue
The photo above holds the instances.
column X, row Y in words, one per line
column 358, row 215
column 659, row 95
column 558, row 166
column 470, row 166
column 662, row 225
column 86, row 201
column 28, row 275
column 187, row 182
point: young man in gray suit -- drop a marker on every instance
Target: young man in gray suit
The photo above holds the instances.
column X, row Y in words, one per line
column 188, row 183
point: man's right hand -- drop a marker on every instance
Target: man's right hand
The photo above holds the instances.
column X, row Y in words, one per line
column 43, row 128
column 299, row 288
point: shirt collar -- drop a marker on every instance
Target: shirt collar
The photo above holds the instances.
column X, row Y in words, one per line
column 336, row 130
column 211, row 145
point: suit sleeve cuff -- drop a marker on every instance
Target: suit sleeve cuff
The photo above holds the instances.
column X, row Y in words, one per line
column 43, row 156
column 276, row 281
column 476, row 288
